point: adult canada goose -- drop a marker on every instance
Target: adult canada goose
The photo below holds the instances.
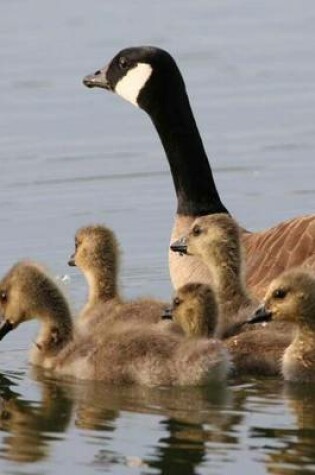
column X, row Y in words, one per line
column 257, row 352
column 149, row 78
column 215, row 239
column 97, row 256
column 129, row 352
column 291, row 298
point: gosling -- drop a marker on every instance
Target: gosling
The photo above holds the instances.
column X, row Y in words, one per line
column 258, row 352
column 291, row 298
column 97, row 256
column 195, row 309
column 216, row 240
column 130, row 352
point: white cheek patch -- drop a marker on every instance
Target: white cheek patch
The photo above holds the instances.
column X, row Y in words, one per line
column 133, row 82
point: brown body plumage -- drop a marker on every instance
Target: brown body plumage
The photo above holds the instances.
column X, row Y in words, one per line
column 267, row 253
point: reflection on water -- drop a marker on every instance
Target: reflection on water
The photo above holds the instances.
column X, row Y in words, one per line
column 187, row 430
column 29, row 426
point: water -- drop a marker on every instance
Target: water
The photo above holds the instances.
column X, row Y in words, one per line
column 70, row 156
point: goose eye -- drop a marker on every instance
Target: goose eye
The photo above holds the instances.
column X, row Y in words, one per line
column 196, row 230
column 3, row 296
column 123, row 63
column 280, row 293
column 176, row 301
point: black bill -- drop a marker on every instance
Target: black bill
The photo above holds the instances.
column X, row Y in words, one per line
column 179, row 246
column 261, row 315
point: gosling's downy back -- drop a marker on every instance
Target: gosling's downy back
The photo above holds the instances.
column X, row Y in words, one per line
column 146, row 355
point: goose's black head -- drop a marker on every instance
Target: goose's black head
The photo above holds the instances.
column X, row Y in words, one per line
column 143, row 75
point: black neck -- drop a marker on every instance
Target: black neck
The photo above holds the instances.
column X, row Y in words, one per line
column 195, row 189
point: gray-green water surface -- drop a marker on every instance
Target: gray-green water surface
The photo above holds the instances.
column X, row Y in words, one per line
column 70, row 156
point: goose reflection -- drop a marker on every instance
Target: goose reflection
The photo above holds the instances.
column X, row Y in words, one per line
column 27, row 425
column 297, row 455
column 189, row 420
column 168, row 430
column 284, row 441
column 95, row 402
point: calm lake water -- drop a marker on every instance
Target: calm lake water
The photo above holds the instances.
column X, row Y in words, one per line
column 70, row 156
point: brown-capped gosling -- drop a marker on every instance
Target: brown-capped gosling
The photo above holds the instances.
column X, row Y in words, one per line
column 97, row 256
column 291, row 298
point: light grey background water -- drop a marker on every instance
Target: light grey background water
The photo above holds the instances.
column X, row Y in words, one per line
column 70, row 156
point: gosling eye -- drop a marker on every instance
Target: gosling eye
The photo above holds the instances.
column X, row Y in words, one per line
column 3, row 296
column 279, row 294
column 176, row 301
column 76, row 244
column 123, row 63
column 196, row 230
